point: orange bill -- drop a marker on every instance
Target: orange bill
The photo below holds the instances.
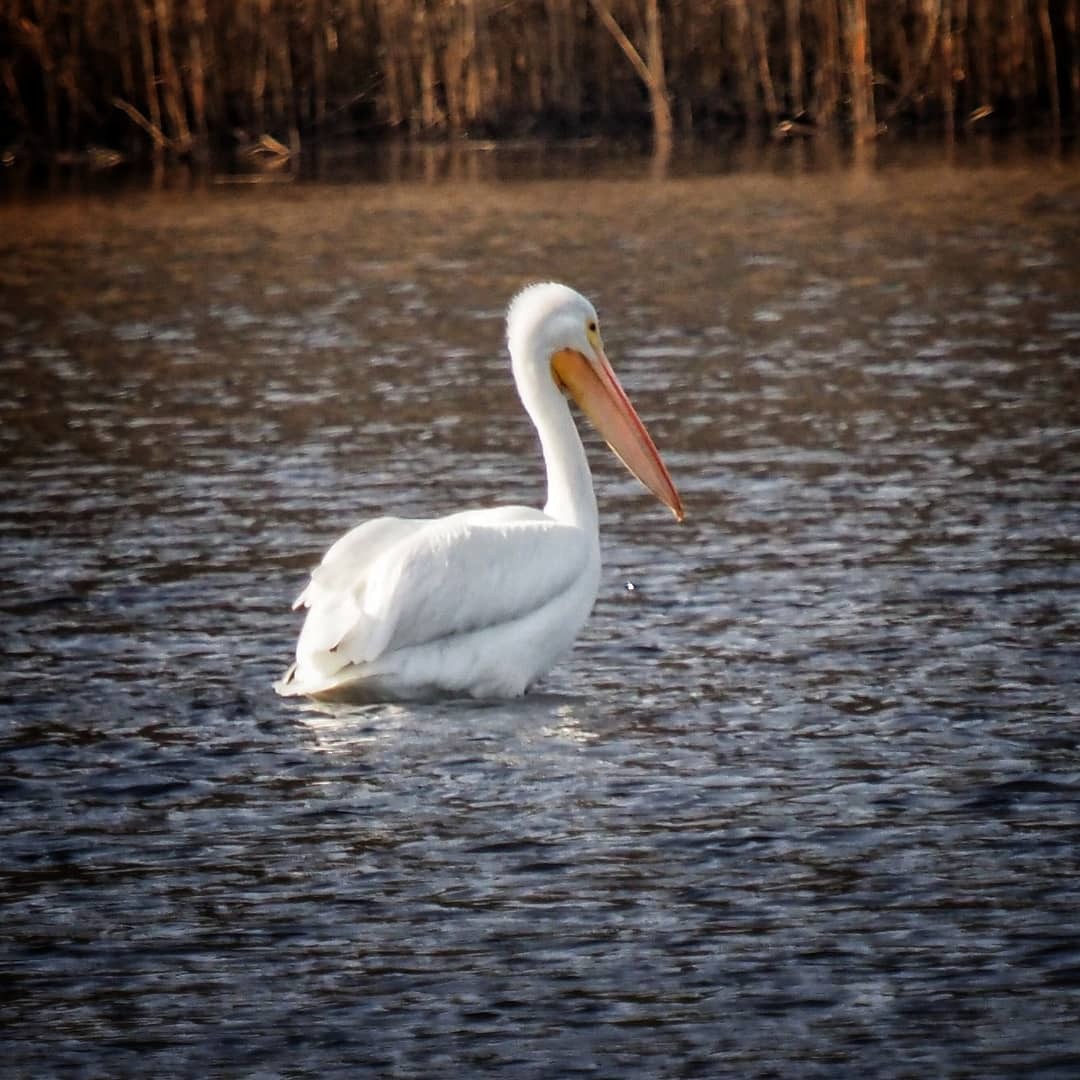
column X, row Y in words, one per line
column 596, row 390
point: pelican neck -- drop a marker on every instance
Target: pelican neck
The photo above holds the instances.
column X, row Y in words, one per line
column 570, row 495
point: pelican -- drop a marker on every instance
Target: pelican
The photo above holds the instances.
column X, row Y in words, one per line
column 482, row 603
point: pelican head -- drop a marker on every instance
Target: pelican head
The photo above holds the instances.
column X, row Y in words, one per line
column 554, row 337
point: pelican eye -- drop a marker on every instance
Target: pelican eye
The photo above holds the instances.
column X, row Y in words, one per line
column 592, row 327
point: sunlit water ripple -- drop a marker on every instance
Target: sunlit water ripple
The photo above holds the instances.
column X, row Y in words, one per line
column 804, row 801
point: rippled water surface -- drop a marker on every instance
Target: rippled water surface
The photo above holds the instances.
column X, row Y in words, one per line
column 804, row 801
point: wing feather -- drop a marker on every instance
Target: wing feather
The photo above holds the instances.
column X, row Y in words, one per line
column 413, row 582
column 331, row 594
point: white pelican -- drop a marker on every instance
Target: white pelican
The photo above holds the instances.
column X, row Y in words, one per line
column 482, row 603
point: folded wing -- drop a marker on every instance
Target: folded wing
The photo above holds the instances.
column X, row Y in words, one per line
column 391, row 583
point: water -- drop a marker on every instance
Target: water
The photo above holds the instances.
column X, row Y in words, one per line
column 804, row 801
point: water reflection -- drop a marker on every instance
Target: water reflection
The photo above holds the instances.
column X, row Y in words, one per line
column 802, row 801
column 542, row 723
column 786, row 151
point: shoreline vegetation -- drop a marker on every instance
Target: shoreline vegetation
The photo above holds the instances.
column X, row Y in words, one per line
column 264, row 82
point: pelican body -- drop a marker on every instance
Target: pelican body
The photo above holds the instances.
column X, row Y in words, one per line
column 484, row 602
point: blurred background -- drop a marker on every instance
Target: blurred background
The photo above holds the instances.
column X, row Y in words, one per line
column 103, row 82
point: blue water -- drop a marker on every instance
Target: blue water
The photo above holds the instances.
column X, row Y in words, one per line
column 805, row 799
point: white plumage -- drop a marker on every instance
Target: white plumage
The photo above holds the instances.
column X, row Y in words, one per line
column 483, row 602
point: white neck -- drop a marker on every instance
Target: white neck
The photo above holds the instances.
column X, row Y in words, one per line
column 570, row 495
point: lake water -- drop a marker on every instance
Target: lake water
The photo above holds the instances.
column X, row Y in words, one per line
column 804, row 801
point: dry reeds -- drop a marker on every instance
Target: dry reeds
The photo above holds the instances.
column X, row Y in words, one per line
column 182, row 77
